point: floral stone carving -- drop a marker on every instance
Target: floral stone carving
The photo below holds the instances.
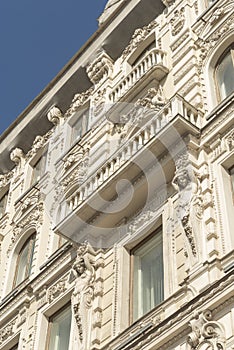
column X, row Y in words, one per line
column 55, row 115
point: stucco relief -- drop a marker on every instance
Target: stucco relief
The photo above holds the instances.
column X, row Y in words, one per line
column 206, row 334
column 83, row 271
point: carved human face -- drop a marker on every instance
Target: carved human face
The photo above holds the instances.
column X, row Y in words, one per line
column 80, row 267
column 182, row 179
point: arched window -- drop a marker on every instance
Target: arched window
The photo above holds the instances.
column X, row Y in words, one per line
column 225, row 74
column 24, row 261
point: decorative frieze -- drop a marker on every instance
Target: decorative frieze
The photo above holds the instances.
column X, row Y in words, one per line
column 207, row 334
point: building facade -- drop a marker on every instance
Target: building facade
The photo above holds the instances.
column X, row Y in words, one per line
column 117, row 189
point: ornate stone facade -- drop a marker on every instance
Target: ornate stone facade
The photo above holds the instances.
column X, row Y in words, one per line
column 150, row 160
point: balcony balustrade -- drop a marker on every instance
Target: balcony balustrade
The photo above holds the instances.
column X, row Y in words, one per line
column 155, row 59
column 176, row 107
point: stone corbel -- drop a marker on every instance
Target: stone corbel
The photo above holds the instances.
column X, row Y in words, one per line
column 206, row 333
column 55, row 115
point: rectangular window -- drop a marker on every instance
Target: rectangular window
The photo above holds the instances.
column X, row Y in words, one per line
column 59, row 330
column 80, row 126
column 3, row 203
column 147, row 268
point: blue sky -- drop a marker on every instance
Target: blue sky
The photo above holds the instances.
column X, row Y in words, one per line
column 37, row 39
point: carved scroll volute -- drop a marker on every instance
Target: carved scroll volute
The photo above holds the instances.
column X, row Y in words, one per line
column 17, row 156
column 83, row 271
column 55, row 115
column 206, row 334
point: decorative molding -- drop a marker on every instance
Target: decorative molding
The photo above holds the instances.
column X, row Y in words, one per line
column 78, row 101
column 98, row 104
column 55, row 115
column 206, row 333
column 100, row 69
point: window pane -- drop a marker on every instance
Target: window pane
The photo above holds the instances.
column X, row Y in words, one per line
column 3, row 203
column 148, row 276
column 24, row 263
column 39, row 168
column 225, row 76
column 60, row 330
column 80, row 127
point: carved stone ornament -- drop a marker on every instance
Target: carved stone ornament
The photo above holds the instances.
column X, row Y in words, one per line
column 206, row 334
column 78, row 101
column 5, row 179
column 230, row 141
column 100, row 69
column 38, row 143
column 154, row 99
column 138, row 36
column 7, row 331
column 177, row 22
column 83, row 271
column 17, row 155
column 55, row 115
column 58, row 288
column 190, row 207
column 206, row 45
column 99, row 102
column 75, row 169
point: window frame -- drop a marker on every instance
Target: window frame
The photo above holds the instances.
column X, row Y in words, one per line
column 84, row 115
column 31, row 241
column 3, row 197
column 50, row 324
column 230, row 49
column 143, row 242
column 42, row 155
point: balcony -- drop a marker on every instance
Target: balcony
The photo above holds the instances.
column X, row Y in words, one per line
column 154, row 63
column 159, row 132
